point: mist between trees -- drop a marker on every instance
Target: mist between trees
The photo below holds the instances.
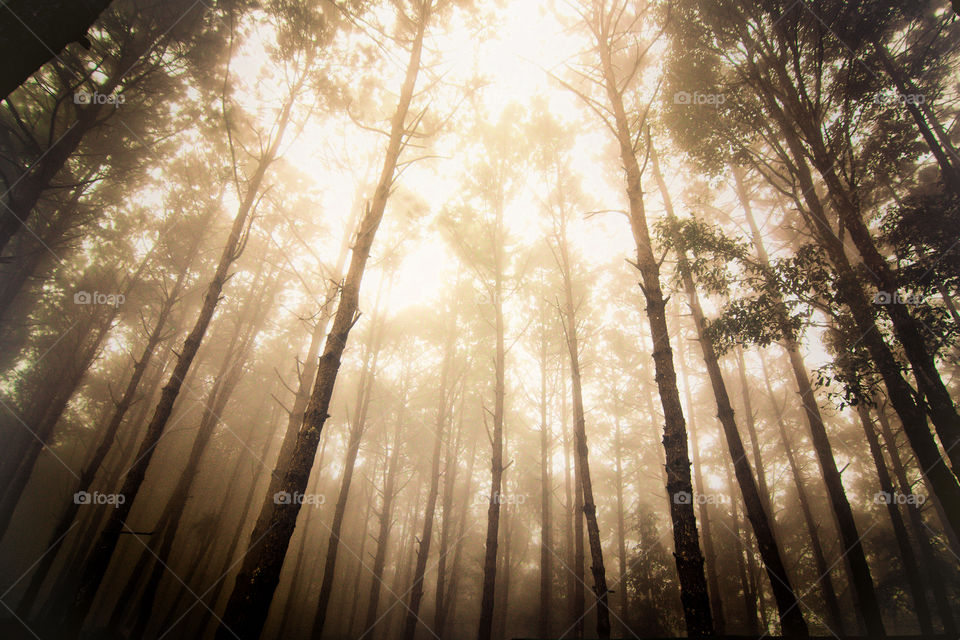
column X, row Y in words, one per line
column 448, row 319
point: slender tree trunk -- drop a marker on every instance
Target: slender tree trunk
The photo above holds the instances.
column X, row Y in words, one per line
column 250, row 601
column 819, row 558
column 485, row 624
column 226, row 382
column 545, row 613
column 689, row 559
column 416, row 593
column 386, row 522
column 502, row 609
column 450, row 597
column 713, row 583
column 360, row 570
column 448, row 524
column 353, row 447
column 745, row 573
column 621, row 527
column 96, row 566
column 569, row 324
column 907, row 557
column 931, row 567
column 289, row 609
column 755, row 442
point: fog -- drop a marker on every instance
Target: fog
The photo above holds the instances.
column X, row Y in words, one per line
column 448, row 319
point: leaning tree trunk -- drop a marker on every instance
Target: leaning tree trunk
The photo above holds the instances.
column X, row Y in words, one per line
column 227, row 379
column 353, row 447
column 744, row 561
column 385, row 518
column 250, row 601
column 689, row 559
column 921, row 532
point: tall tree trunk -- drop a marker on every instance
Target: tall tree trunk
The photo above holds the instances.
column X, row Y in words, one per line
column 289, row 606
column 750, row 421
column 357, row 429
column 569, row 323
column 226, row 381
column 450, row 597
column 545, row 612
column 827, row 590
column 502, row 609
column 448, row 523
column 908, row 330
column 485, row 624
column 621, row 527
column 744, row 561
column 250, row 601
column 348, row 629
column 689, row 559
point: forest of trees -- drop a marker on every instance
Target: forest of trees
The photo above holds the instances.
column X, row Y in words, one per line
column 442, row 319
